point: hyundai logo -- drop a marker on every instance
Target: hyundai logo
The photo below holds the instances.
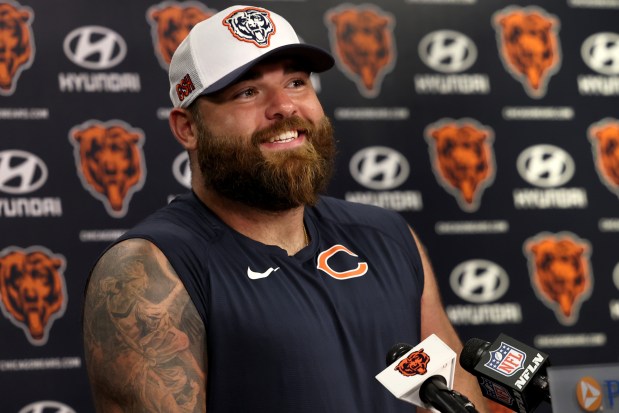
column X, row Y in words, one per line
column 95, row 47
column 21, row 172
column 447, row 51
column 181, row 170
column 47, row 406
column 379, row 167
column 479, row 281
column 545, row 166
column 600, row 52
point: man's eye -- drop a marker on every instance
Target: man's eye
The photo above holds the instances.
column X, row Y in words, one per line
column 297, row 83
column 245, row 93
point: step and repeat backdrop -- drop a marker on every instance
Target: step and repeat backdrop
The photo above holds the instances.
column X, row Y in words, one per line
column 491, row 126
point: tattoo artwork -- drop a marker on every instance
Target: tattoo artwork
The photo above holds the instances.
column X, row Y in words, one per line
column 144, row 341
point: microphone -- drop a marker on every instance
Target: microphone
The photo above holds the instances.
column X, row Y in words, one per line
column 424, row 375
column 508, row 371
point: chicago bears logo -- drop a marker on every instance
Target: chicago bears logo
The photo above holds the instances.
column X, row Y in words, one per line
column 32, row 290
column 414, row 364
column 184, row 87
column 462, row 158
column 363, row 44
column 604, row 137
column 251, row 25
column 110, row 162
column 331, row 262
column 171, row 22
column 560, row 272
column 529, row 46
column 17, row 51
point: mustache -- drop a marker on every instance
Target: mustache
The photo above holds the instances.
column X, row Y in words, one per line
column 283, row 125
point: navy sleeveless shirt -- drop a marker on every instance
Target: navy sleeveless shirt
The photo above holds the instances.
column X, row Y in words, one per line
column 304, row 333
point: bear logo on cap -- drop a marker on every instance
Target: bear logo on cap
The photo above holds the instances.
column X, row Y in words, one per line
column 251, row 25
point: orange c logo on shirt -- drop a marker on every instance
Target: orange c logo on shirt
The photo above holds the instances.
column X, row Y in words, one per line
column 323, row 264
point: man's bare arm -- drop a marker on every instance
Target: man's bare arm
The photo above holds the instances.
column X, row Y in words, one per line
column 144, row 341
column 435, row 320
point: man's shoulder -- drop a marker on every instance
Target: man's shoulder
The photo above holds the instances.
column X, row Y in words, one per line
column 184, row 216
column 346, row 212
column 372, row 223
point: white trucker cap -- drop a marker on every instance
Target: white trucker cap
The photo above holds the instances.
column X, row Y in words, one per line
column 223, row 47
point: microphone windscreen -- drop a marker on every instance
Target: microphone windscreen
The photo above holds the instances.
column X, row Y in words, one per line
column 472, row 352
column 396, row 352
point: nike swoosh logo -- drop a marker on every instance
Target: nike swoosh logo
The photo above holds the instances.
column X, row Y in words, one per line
column 257, row 275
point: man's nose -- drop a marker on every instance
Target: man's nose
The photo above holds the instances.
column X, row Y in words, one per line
column 280, row 105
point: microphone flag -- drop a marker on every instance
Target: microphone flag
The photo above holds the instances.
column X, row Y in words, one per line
column 404, row 377
column 505, row 371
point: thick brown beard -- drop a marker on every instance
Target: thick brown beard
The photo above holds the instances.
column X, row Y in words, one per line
column 237, row 169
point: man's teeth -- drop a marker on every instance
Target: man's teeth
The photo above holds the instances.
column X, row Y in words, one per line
column 284, row 137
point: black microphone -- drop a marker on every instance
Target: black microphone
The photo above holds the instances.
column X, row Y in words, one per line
column 407, row 381
column 508, row 371
column 434, row 390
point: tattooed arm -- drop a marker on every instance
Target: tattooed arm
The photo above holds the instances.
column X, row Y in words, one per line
column 144, row 341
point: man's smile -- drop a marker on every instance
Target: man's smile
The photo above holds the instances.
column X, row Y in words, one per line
column 287, row 139
column 285, row 136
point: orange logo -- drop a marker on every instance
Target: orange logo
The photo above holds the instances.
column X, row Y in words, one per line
column 17, row 52
column 415, row 364
column 32, row 290
column 110, row 162
column 323, row 264
column 604, row 137
column 589, row 394
column 529, row 46
column 184, row 87
column 171, row 22
column 251, row 25
column 363, row 44
column 462, row 158
column 560, row 272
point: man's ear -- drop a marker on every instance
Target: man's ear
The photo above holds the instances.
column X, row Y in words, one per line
column 181, row 124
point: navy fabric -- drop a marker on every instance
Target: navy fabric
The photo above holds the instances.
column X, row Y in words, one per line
column 298, row 340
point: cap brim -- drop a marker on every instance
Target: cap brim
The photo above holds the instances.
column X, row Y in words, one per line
column 313, row 59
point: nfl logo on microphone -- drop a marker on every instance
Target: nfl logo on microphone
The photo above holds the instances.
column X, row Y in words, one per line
column 506, row 360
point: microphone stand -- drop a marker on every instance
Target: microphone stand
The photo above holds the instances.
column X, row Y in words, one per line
column 444, row 399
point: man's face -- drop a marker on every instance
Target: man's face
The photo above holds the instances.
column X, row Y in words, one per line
column 264, row 141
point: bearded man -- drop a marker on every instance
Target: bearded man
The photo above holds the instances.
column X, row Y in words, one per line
column 275, row 297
